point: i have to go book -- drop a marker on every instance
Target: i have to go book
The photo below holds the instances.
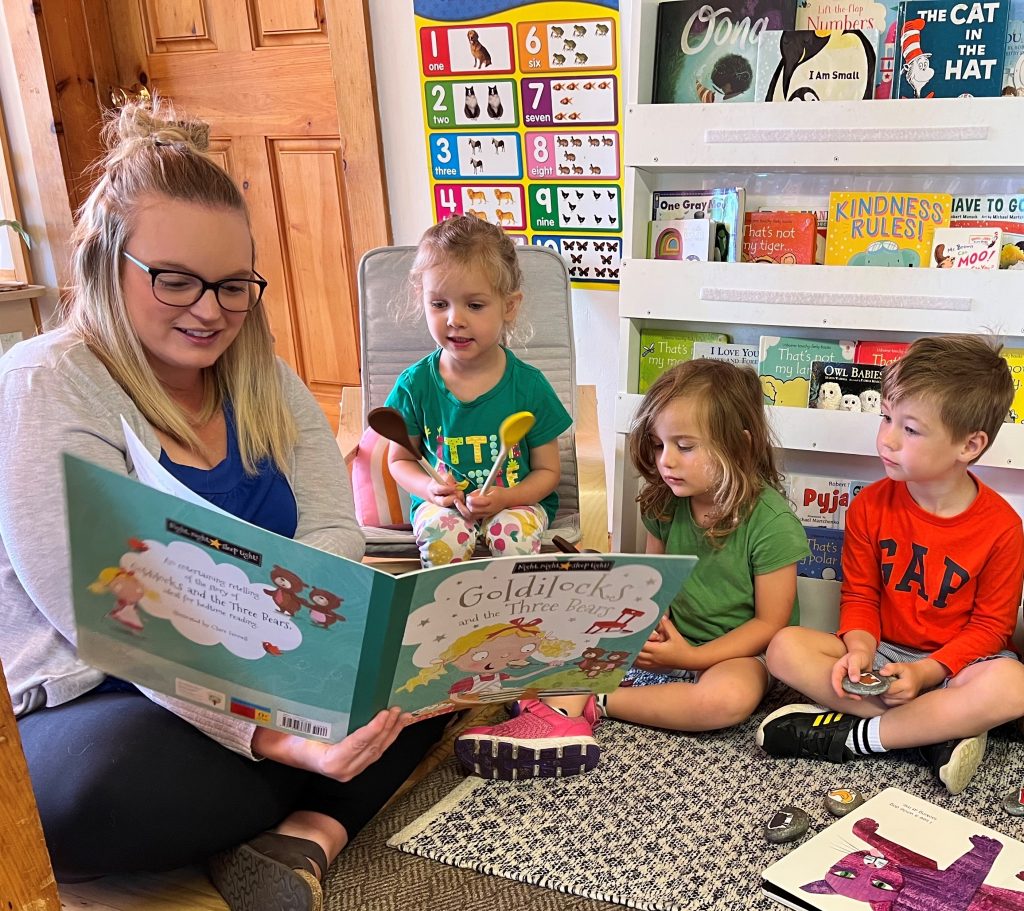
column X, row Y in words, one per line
column 198, row 604
column 897, row 851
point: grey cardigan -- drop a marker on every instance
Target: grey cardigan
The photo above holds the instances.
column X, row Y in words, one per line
column 56, row 396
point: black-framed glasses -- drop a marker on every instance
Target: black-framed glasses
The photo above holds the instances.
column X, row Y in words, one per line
column 183, row 289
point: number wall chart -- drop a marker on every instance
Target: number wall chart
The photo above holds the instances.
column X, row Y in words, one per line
column 523, row 106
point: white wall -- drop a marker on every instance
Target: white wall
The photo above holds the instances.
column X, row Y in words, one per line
column 399, row 96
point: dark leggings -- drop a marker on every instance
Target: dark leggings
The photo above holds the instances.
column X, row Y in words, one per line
column 124, row 786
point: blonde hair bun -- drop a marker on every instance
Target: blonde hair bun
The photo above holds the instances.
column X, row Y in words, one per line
column 153, row 120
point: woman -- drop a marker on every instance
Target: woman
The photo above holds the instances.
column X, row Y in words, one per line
column 165, row 326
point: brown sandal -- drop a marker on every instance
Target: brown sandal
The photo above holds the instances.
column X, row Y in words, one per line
column 272, row 872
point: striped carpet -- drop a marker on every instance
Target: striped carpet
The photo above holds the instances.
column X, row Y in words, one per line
column 667, row 821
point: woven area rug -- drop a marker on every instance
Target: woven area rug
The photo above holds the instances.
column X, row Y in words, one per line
column 673, row 822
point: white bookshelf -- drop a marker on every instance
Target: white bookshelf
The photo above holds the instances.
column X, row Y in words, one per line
column 942, row 145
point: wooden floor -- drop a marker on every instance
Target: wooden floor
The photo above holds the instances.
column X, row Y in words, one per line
column 189, row 889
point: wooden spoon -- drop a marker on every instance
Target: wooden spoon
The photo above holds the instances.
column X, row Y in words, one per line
column 391, row 425
column 511, row 431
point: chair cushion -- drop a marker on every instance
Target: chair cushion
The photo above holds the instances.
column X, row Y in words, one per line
column 379, row 500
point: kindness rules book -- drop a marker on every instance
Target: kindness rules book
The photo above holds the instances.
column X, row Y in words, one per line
column 884, row 229
column 200, row 605
column 897, row 851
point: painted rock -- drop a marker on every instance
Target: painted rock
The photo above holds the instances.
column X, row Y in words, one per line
column 870, row 684
column 839, row 801
column 786, row 824
column 1013, row 803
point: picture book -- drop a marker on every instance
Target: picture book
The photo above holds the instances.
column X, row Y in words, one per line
column 966, row 248
column 883, row 229
column 782, row 238
column 821, row 501
column 664, row 348
column 845, row 387
column 785, row 366
column 898, row 851
column 1014, row 357
column 823, row 15
column 1003, row 211
column 950, row 50
column 724, row 205
column 825, row 560
column 740, row 355
column 809, row 65
column 198, row 604
column 691, row 239
column 818, row 204
column 881, row 354
column 1013, row 63
column 706, row 52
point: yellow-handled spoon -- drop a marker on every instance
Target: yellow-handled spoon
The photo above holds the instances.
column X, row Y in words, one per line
column 511, row 431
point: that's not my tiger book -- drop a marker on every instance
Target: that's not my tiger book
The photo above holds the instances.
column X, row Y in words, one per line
column 884, row 229
column 189, row 601
column 707, row 52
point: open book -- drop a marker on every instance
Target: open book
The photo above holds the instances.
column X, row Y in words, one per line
column 195, row 603
column 897, row 851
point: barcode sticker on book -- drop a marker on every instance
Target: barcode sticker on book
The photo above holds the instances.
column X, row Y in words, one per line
column 305, row 726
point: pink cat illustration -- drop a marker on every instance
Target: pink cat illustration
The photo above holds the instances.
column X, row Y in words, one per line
column 893, row 878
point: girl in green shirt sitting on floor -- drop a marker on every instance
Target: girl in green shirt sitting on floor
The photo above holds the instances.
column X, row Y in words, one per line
column 701, row 442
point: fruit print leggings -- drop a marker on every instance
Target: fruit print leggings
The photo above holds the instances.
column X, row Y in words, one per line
column 444, row 535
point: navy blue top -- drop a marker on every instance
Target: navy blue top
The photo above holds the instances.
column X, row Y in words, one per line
column 264, row 499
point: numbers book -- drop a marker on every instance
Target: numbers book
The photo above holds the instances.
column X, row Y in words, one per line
column 200, row 605
column 707, row 52
column 690, row 239
column 740, row 355
column 664, row 348
column 884, row 229
column 966, row 248
column 897, row 851
column 1015, row 358
column 950, row 50
column 808, row 65
column 881, row 354
column 786, row 238
column 845, row 387
column 785, row 366
column 724, row 205
column 821, row 501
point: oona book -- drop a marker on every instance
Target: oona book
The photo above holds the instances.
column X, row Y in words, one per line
column 898, row 852
column 806, row 65
column 203, row 606
column 707, row 52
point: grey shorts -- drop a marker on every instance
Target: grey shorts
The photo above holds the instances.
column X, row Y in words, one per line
column 888, row 651
column 637, row 677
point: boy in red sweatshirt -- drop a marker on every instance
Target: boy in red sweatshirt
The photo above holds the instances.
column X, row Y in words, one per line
column 933, row 562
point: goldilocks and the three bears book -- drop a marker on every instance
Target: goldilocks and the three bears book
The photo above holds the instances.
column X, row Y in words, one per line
column 203, row 606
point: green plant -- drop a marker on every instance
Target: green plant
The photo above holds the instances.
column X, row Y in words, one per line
column 17, row 228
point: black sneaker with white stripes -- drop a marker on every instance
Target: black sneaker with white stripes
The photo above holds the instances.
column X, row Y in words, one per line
column 806, row 732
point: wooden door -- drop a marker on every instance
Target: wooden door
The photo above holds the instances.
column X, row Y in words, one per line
column 287, row 89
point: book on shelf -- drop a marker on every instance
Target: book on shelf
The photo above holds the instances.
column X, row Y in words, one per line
column 1014, row 358
column 950, row 50
column 785, row 366
column 825, row 15
column 1013, row 63
column 784, row 238
column 966, row 248
column 821, row 501
column 740, row 355
column 1000, row 210
column 881, row 354
column 788, row 202
column 192, row 602
column 690, row 239
column 664, row 348
column 809, row 65
column 724, row 205
column 707, row 52
column 896, row 851
column 883, row 228
column 825, row 561
column 845, row 386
